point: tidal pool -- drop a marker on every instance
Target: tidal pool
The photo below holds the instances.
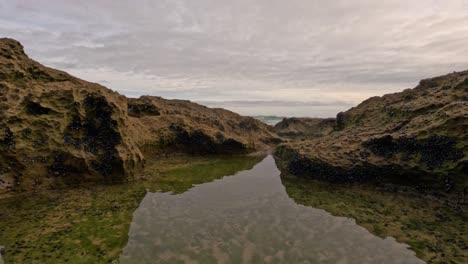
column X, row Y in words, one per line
column 249, row 218
column 193, row 210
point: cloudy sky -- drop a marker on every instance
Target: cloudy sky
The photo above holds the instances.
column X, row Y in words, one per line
column 290, row 58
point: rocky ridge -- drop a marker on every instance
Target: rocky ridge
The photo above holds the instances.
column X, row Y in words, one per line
column 416, row 136
column 179, row 125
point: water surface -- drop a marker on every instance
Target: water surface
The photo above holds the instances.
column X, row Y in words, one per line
column 249, row 218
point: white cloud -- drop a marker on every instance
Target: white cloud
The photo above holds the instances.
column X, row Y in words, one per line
column 270, row 50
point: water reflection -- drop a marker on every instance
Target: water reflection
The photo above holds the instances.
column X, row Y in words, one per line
column 90, row 224
column 249, row 218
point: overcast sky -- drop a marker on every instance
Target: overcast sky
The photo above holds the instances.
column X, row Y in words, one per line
column 283, row 57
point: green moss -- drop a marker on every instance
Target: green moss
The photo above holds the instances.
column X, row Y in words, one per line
column 419, row 246
column 435, row 230
column 198, row 171
column 90, row 224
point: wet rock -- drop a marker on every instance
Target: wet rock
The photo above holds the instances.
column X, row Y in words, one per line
column 198, row 142
column 438, row 149
column 231, row 146
column 433, row 151
column 383, row 146
column 100, row 135
column 65, row 164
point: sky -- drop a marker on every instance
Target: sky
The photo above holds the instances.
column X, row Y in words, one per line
column 256, row 57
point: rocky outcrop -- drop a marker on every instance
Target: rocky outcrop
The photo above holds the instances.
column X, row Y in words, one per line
column 185, row 126
column 417, row 136
column 304, row 127
column 57, row 129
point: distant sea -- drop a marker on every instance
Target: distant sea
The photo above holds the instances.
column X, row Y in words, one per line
column 270, row 120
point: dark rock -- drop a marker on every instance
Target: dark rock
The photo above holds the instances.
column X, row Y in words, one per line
column 8, row 143
column 249, row 125
column 433, row 151
column 65, row 164
column 101, row 135
column 340, row 121
column 34, row 108
column 197, row 142
column 142, row 109
column 26, row 132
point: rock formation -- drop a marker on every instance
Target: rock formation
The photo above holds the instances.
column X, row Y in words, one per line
column 416, row 136
column 305, row 127
column 178, row 125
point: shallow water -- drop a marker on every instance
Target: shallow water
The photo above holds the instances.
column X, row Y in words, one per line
column 185, row 211
column 249, row 218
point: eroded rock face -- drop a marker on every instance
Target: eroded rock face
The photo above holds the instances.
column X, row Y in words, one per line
column 419, row 135
column 55, row 128
column 96, row 132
